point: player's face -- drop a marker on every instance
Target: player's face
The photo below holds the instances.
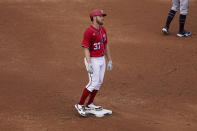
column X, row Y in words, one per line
column 100, row 19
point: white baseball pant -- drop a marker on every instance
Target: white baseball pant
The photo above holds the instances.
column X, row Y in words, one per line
column 96, row 79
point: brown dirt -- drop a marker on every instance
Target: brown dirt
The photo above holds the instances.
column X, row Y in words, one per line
column 151, row 88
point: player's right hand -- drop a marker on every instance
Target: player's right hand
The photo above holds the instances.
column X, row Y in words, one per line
column 90, row 68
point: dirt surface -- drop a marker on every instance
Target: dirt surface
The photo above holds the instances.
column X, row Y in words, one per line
column 151, row 88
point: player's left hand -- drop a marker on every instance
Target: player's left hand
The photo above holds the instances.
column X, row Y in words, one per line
column 90, row 68
column 109, row 66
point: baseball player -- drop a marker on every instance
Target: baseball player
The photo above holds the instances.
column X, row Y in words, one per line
column 96, row 49
column 183, row 5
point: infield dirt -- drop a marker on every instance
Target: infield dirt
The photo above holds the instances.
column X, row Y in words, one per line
column 152, row 86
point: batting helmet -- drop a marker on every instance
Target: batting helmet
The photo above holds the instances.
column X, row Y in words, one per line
column 97, row 12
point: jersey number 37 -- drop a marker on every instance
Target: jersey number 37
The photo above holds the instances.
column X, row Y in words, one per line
column 97, row 46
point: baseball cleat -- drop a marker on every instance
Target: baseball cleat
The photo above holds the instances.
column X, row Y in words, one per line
column 165, row 30
column 184, row 33
column 92, row 106
column 81, row 110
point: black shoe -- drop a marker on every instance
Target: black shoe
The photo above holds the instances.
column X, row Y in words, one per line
column 184, row 33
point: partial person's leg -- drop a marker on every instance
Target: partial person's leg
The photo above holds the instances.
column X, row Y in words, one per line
column 171, row 14
column 84, row 95
column 184, row 6
column 101, row 77
column 101, row 73
column 175, row 5
column 93, row 82
column 100, row 80
column 92, row 96
column 170, row 17
column 182, row 18
column 93, row 79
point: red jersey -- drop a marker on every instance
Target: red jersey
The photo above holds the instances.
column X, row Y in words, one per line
column 95, row 40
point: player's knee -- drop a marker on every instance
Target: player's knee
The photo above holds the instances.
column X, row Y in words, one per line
column 183, row 12
column 175, row 8
column 97, row 88
column 95, row 83
column 100, row 83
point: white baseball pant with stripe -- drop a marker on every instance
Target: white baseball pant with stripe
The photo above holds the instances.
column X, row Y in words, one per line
column 96, row 79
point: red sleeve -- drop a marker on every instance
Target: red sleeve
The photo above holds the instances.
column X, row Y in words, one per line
column 86, row 39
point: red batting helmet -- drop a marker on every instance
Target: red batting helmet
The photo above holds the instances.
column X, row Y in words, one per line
column 97, row 12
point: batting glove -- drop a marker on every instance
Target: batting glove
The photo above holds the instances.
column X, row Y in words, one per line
column 109, row 66
column 90, row 68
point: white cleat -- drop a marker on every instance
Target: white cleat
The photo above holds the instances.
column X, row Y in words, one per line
column 81, row 110
column 165, row 30
column 92, row 106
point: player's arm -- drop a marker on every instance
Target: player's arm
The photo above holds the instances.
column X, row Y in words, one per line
column 87, row 55
column 86, row 45
column 108, row 56
column 109, row 65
